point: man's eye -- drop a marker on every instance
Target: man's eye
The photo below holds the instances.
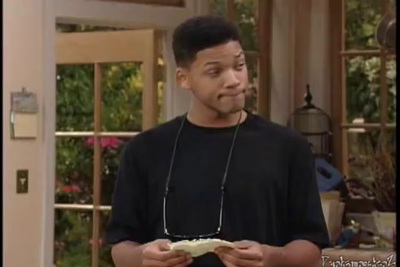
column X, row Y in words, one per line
column 213, row 72
column 240, row 66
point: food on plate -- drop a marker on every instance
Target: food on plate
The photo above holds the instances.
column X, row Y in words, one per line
column 200, row 246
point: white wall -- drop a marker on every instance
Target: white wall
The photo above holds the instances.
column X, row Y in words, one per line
column 282, row 60
column 177, row 100
column 320, row 56
column 26, row 234
column 300, row 55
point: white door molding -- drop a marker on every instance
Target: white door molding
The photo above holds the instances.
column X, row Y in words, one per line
column 115, row 14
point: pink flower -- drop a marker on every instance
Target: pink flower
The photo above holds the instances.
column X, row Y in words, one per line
column 90, row 141
column 110, row 142
column 106, row 142
column 69, row 189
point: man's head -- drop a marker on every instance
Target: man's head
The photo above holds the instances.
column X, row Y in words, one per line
column 211, row 63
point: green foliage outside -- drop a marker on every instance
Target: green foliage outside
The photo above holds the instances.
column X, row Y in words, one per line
column 121, row 111
column 364, row 83
column 121, row 93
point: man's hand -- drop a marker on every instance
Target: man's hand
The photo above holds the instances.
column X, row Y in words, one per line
column 157, row 254
column 243, row 254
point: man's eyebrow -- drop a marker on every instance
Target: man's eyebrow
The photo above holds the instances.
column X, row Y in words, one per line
column 211, row 63
column 239, row 54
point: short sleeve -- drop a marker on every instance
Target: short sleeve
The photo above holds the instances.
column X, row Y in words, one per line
column 128, row 214
column 306, row 219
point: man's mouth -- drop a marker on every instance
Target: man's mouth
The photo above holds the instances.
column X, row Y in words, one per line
column 233, row 94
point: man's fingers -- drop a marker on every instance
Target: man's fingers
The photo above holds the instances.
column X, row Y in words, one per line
column 246, row 254
column 164, row 246
column 175, row 262
column 243, row 244
column 152, row 263
column 163, row 255
column 167, row 255
column 159, row 254
column 182, row 264
column 224, row 261
column 236, row 262
column 222, row 250
column 183, row 260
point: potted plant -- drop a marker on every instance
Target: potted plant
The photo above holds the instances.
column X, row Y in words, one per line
column 376, row 182
column 383, row 186
column 383, row 167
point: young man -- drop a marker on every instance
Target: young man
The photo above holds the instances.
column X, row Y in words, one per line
column 217, row 171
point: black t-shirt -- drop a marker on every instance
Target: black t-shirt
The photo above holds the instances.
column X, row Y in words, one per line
column 271, row 193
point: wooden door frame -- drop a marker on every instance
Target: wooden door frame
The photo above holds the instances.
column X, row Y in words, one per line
column 99, row 48
column 96, row 13
column 115, row 47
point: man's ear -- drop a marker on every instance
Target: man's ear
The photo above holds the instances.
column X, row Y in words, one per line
column 182, row 78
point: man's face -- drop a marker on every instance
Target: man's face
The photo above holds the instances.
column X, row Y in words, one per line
column 218, row 78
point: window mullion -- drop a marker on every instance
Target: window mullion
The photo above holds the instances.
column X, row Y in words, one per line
column 97, row 166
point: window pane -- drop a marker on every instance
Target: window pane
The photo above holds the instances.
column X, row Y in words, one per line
column 246, row 19
column 362, row 19
column 363, row 89
column 112, row 148
column 105, row 250
column 363, row 145
column 391, row 76
column 74, row 170
column 122, row 88
column 72, row 235
column 251, row 100
column 218, row 7
column 372, row 168
column 75, row 98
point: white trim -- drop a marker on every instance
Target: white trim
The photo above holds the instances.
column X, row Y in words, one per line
column 49, row 119
column 198, row 7
column 282, row 63
column 119, row 14
column 176, row 100
column 170, row 83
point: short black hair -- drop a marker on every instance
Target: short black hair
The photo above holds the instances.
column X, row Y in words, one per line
column 199, row 33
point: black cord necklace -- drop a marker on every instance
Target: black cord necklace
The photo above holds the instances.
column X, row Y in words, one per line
column 222, row 183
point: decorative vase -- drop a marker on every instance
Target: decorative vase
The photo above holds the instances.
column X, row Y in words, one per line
column 385, row 223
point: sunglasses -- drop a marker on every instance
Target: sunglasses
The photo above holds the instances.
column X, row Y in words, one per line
column 218, row 230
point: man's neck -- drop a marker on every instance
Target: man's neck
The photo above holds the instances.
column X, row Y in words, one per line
column 209, row 118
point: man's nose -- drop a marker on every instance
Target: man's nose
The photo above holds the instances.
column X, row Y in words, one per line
column 231, row 79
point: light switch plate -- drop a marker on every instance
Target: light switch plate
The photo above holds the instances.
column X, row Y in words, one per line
column 22, row 181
